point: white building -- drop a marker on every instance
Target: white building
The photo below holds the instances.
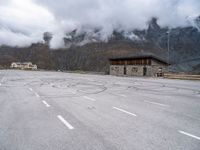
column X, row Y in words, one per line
column 23, row 66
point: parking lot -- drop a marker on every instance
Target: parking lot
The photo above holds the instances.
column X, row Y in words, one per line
column 67, row 111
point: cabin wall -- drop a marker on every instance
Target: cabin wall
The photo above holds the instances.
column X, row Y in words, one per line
column 134, row 70
column 142, row 67
column 117, row 70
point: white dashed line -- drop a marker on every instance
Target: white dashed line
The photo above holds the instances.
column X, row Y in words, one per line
column 65, row 122
column 155, row 103
column 2, row 80
column 125, row 111
column 45, row 103
column 74, row 92
column 81, row 90
column 190, row 135
column 30, row 89
column 121, row 95
column 0, row 84
column 52, row 85
column 88, row 98
column 37, row 95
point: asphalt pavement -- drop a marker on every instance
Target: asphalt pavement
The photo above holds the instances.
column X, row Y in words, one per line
column 41, row 110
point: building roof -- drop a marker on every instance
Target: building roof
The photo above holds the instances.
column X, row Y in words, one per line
column 22, row 62
column 140, row 57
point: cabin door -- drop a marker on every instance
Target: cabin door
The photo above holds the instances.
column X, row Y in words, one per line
column 144, row 71
column 125, row 71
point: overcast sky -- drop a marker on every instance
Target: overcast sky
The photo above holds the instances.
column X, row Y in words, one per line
column 23, row 22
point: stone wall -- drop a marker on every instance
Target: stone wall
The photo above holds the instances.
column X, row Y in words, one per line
column 137, row 70
column 117, row 70
column 134, row 70
column 155, row 70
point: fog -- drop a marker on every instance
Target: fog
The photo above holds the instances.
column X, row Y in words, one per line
column 23, row 22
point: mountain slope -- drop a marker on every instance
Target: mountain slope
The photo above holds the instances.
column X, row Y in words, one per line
column 88, row 52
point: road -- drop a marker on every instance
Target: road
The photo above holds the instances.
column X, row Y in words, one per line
column 66, row 111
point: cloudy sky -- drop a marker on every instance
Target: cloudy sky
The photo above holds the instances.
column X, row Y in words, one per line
column 23, row 22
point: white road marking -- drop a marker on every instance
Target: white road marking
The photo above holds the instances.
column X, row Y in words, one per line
column 125, row 111
column 81, row 91
column 65, row 122
column 155, row 103
column 121, row 95
column 2, row 80
column 190, row 135
column 30, row 89
column 46, row 104
column 88, row 98
column 74, row 92
column 0, row 84
column 37, row 95
column 52, row 85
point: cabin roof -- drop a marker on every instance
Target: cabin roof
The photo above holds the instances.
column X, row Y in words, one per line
column 140, row 57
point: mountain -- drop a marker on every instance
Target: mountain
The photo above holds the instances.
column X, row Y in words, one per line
column 88, row 51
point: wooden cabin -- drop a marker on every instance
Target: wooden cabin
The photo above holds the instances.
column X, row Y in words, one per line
column 145, row 65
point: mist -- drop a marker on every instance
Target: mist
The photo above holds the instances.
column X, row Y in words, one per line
column 23, row 22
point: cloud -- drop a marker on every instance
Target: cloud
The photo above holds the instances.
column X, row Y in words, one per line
column 27, row 20
column 23, row 22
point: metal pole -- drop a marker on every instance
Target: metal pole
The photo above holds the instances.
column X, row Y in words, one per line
column 168, row 48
